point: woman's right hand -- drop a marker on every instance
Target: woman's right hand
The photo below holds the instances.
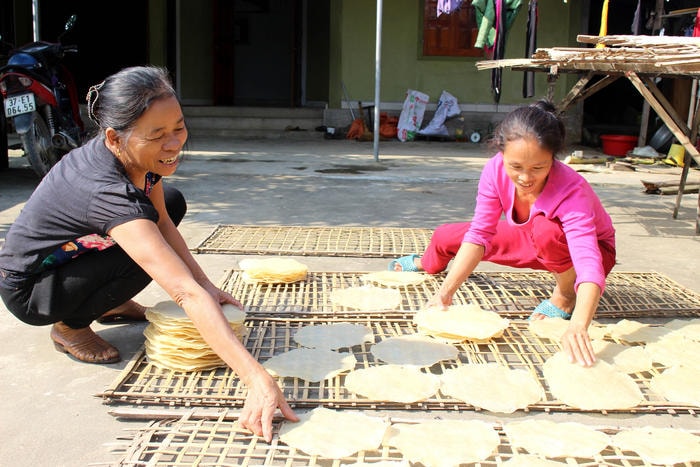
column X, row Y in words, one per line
column 263, row 399
column 439, row 302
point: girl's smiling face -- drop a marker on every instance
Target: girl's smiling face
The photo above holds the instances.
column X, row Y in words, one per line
column 155, row 142
column 527, row 164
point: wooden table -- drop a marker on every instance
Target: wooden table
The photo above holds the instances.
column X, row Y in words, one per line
column 639, row 59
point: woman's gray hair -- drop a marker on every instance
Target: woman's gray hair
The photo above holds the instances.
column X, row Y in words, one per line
column 123, row 97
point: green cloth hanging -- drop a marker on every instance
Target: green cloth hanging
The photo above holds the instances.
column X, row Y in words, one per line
column 486, row 16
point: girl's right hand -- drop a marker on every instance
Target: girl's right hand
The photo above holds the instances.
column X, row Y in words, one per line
column 439, row 302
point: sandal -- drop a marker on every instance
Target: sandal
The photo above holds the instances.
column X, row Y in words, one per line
column 550, row 310
column 129, row 312
column 83, row 344
column 407, row 263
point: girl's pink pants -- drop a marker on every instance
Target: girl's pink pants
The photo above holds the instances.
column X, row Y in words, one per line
column 544, row 247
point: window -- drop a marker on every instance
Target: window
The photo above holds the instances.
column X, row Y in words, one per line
column 450, row 35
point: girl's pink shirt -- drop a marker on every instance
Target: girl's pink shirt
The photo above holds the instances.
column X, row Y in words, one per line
column 566, row 196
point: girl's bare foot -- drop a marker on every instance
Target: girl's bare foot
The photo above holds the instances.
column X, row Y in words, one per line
column 127, row 312
column 83, row 344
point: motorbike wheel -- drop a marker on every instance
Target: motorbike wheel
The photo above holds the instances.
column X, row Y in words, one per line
column 41, row 153
column 4, row 154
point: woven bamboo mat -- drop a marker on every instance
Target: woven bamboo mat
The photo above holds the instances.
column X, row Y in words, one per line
column 142, row 383
column 373, row 242
column 189, row 440
column 513, row 294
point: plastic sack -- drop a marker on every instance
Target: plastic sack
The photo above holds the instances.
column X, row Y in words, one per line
column 411, row 116
column 388, row 126
column 447, row 107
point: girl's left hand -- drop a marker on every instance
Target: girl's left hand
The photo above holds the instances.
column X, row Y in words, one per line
column 577, row 345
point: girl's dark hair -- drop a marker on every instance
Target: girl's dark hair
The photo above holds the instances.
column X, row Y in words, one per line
column 538, row 121
column 123, row 97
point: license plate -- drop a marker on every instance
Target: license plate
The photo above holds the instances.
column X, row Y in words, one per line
column 19, row 104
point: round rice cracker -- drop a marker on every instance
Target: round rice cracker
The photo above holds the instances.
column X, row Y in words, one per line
column 660, row 446
column 313, row 365
column 333, row 336
column 167, row 311
column 367, row 298
column 392, row 383
column 460, row 323
column 276, row 270
column 556, row 439
column 333, row 434
column 492, row 387
column 437, row 443
column 395, row 278
column 678, row 384
column 413, row 349
column 598, row 387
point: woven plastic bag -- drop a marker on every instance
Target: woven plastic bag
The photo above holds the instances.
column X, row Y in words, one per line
column 447, row 107
column 411, row 117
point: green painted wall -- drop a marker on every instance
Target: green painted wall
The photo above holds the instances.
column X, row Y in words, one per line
column 196, row 56
column 403, row 67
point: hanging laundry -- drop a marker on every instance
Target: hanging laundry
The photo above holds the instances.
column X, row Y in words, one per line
column 530, row 47
column 485, row 12
column 637, row 21
column 498, row 50
column 448, row 6
column 603, row 24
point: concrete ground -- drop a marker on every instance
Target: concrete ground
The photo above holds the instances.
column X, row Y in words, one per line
column 49, row 413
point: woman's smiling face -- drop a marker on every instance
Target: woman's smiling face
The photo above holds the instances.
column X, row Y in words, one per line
column 155, row 142
column 527, row 165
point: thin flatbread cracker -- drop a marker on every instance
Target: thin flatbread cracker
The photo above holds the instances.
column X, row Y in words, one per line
column 367, row 298
column 529, row 460
column 552, row 439
column 627, row 359
column 277, row 270
column 310, row 364
column 437, row 443
column 598, row 387
column 333, row 434
column 554, row 328
column 413, row 349
column 636, row 332
column 660, row 446
column 688, row 328
column 460, row 323
column 392, row 383
column 395, row 278
column 173, row 342
column 675, row 349
column 678, row 384
column 333, row 336
column 492, row 387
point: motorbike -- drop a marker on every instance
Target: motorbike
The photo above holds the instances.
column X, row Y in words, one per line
column 41, row 101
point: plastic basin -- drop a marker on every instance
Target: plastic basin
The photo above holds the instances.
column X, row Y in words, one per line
column 618, row 145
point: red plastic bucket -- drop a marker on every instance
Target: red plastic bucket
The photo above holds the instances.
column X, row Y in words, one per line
column 618, row 145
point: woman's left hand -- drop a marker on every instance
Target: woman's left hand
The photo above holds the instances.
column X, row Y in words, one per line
column 577, row 345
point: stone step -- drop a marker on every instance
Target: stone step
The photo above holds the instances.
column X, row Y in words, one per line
column 254, row 122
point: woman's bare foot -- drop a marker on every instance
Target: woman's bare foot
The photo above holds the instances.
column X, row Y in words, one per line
column 83, row 344
column 127, row 312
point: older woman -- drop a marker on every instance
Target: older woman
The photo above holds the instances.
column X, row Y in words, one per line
column 102, row 224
